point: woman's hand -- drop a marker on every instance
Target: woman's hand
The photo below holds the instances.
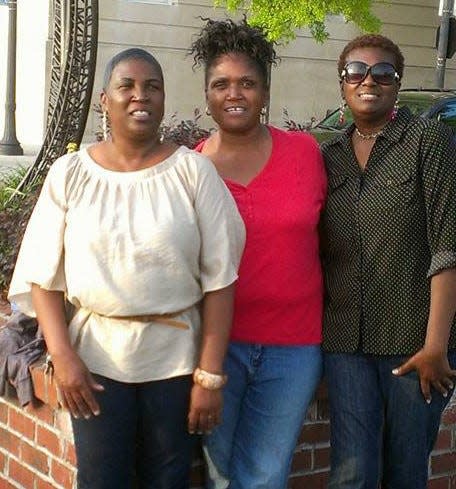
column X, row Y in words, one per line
column 76, row 385
column 433, row 370
column 74, row 382
column 205, row 409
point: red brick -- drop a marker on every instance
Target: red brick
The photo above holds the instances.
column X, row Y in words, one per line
column 322, row 391
column 315, row 433
column 22, row 424
column 443, row 440
column 443, row 463
column 323, row 410
column 449, row 415
column 321, row 458
column 3, row 412
column 197, row 476
column 34, row 457
column 2, row 463
column 314, row 481
column 439, row 483
column 44, row 386
column 42, row 484
column 62, row 475
column 70, row 453
column 302, row 460
column 41, row 411
column 9, row 441
column 48, row 439
column 4, row 484
column 20, row 474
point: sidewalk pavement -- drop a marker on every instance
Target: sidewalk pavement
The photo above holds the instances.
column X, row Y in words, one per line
column 7, row 163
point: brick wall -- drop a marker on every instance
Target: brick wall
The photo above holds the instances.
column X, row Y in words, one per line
column 36, row 448
column 37, row 452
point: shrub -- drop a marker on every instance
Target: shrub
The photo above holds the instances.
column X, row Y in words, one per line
column 183, row 132
column 14, row 215
column 186, row 132
column 291, row 125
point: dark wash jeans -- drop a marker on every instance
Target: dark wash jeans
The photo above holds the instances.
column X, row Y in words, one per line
column 142, row 430
column 382, row 430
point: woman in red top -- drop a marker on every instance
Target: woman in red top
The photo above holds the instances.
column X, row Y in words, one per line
column 278, row 181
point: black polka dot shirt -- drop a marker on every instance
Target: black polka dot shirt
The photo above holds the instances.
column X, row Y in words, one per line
column 385, row 232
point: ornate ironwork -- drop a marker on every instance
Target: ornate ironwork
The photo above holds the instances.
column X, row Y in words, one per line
column 74, row 53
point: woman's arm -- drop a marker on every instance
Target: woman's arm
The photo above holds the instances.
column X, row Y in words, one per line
column 431, row 362
column 75, row 382
column 217, row 314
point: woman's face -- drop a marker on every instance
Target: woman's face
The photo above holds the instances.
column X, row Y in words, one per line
column 368, row 99
column 235, row 92
column 134, row 99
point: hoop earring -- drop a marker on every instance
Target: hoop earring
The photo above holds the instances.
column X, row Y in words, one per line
column 208, row 112
column 104, row 125
column 395, row 110
column 342, row 107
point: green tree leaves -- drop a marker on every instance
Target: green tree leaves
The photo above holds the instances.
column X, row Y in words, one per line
column 281, row 18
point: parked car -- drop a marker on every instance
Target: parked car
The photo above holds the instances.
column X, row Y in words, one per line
column 428, row 103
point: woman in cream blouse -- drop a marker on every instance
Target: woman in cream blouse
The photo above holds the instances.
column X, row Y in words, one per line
column 143, row 239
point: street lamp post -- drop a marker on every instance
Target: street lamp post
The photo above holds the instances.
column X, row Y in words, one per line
column 446, row 11
column 9, row 145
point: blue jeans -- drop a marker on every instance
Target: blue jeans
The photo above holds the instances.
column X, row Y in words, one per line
column 382, row 430
column 142, row 430
column 265, row 402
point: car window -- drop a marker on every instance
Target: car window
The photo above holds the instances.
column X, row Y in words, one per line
column 416, row 106
column 447, row 114
column 332, row 121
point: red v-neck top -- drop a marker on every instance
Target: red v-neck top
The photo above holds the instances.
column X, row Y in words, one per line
column 279, row 292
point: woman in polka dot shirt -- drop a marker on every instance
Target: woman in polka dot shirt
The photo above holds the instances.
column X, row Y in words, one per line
column 389, row 254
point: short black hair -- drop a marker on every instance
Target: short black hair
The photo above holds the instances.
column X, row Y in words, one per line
column 132, row 53
column 373, row 41
column 219, row 37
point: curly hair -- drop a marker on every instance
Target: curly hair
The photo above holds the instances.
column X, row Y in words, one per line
column 220, row 37
column 373, row 41
column 127, row 54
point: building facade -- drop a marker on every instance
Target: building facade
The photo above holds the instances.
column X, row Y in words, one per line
column 305, row 82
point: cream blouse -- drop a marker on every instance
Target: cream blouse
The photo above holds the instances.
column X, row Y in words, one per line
column 151, row 241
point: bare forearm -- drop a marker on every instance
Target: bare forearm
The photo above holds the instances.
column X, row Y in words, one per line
column 50, row 311
column 442, row 310
column 217, row 319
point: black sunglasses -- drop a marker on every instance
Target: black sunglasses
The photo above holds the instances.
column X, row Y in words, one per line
column 357, row 71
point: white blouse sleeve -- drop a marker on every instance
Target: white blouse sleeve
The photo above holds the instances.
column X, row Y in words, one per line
column 40, row 258
column 221, row 227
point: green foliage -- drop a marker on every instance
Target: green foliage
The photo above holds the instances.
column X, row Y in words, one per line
column 14, row 215
column 281, row 18
column 187, row 132
column 9, row 180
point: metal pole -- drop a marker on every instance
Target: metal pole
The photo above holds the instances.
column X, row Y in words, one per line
column 447, row 12
column 9, row 145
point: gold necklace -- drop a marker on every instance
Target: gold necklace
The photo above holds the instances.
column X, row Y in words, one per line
column 371, row 135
